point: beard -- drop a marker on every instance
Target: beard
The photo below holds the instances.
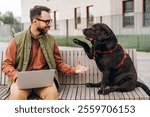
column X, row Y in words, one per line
column 43, row 30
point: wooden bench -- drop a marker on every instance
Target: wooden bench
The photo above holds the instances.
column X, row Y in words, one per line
column 73, row 86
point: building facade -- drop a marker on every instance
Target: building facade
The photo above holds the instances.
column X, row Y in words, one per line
column 125, row 17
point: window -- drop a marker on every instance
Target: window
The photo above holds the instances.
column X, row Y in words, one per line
column 77, row 18
column 146, row 14
column 56, row 20
column 128, row 13
column 90, row 16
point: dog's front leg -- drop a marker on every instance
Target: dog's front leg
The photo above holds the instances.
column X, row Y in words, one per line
column 85, row 46
column 104, row 82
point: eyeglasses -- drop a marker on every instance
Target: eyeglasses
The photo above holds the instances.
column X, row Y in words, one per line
column 46, row 21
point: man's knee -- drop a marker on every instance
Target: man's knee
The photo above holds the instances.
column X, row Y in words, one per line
column 53, row 95
column 17, row 96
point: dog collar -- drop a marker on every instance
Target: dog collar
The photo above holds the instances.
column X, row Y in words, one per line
column 122, row 62
column 110, row 51
column 103, row 52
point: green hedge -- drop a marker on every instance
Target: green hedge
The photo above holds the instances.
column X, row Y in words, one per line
column 140, row 42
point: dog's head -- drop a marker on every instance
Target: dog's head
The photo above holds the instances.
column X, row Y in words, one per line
column 99, row 34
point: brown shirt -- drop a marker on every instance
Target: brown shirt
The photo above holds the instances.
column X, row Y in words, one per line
column 36, row 61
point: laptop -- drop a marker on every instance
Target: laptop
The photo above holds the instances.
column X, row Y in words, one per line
column 35, row 79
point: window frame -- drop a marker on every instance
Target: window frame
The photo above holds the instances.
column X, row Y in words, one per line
column 77, row 21
column 145, row 13
column 89, row 23
column 128, row 14
column 56, row 21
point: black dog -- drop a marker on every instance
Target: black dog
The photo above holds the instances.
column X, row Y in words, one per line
column 117, row 67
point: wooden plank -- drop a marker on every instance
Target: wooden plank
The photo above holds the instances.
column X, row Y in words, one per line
column 62, row 90
column 96, row 94
column 3, row 92
column 106, row 97
column 69, row 95
column 76, row 59
column 68, row 62
column 87, row 97
column 74, row 92
column 144, row 93
column 116, row 97
column 83, row 62
column 64, row 53
column 5, row 97
column 79, row 60
column 95, row 75
column 64, row 96
column 87, row 72
column 83, row 94
column 79, row 92
column 141, row 96
column 111, row 96
column 121, row 96
column 91, row 72
column 126, row 97
column 136, row 97
column 72, row 64
column 131, row 97
column 92, row 93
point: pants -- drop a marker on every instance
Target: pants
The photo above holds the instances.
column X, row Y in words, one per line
column 46, row 93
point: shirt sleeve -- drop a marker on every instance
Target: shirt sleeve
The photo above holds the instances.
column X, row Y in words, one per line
column 62, row 67
column 8, row 64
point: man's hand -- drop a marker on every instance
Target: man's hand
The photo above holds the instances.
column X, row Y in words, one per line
column 80, row 69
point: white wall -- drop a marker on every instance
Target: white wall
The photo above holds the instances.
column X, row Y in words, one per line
column 110, row 10
column 66, row 7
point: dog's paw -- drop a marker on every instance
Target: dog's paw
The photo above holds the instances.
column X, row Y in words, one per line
column 88, row 84
column 77, row 41
column 106, row 91
column 99, row 92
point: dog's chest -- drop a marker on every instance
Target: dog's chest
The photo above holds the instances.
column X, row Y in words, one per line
column 103, row 61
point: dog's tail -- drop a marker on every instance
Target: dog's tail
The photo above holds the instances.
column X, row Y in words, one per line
column 144, row 87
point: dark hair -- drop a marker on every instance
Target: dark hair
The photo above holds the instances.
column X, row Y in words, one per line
column 35, row 12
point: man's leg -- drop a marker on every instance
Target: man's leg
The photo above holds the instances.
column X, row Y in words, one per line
column 47, row 93
column 17, row 94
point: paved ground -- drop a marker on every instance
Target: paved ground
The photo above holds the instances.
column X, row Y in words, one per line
column 143, row 59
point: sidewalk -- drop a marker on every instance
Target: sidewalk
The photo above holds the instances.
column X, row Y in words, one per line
column 143, row 59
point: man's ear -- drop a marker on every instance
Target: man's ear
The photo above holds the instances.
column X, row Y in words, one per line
column 34, row 21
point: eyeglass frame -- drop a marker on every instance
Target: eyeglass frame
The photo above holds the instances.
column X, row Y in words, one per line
column 46, row 21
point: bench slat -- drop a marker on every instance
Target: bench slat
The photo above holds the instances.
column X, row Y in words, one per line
column 83, row 94
column 79, row 92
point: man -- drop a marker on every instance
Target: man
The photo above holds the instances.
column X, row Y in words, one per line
column 34, row 49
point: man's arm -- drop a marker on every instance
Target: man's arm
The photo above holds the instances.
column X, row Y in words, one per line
column 62, row 67
column 65, row 68
column 10, row 61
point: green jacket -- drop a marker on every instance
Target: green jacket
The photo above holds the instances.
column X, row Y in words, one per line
column 23, row 43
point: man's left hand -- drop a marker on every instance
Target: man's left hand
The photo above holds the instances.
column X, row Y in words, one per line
column 80, row 69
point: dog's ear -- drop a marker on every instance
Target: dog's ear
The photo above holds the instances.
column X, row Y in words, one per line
column 105, row 33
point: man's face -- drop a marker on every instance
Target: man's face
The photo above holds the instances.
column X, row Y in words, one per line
column 44, row 22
